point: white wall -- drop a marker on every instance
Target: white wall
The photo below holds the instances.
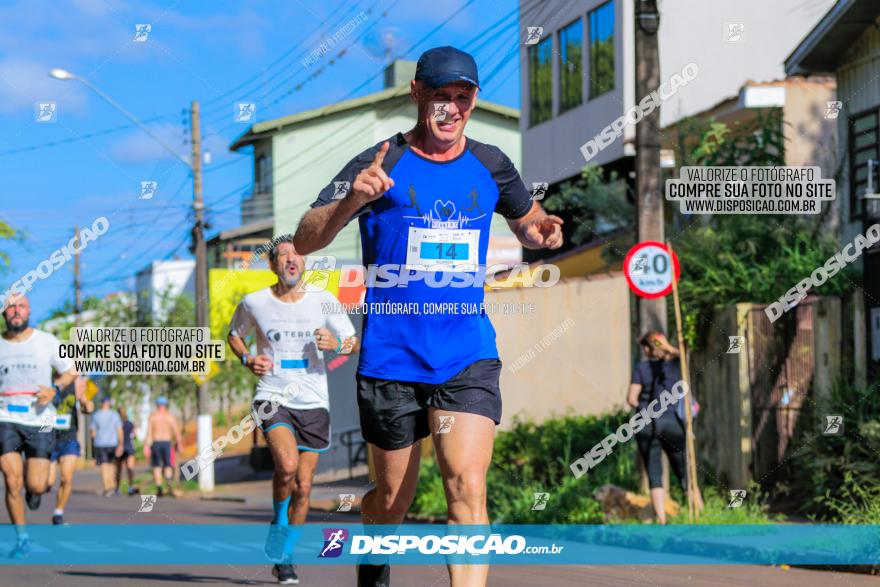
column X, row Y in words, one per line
column 694, row 30
column 586, row 370
column 152, row 282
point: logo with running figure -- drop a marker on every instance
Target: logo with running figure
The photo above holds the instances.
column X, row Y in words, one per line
column 444, row 213
column 47, row 423
column 346, row 501
column 147, row 503
column 736, row 344
column 334, row 541
column 445, row 424
column 541, row 500
column 737, row 497
column 833, row 425
column 533, row 34
column 539, row 190
column 340, row 189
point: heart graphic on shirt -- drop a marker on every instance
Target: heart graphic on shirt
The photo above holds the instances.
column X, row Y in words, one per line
column 444, row 210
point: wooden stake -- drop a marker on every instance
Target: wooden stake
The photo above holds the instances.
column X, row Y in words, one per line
column 690, row 445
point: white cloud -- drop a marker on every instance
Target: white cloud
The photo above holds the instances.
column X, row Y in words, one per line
column 137, row 146
column 22, row 83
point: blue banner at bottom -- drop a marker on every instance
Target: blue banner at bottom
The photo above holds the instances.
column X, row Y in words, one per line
column 422, row 544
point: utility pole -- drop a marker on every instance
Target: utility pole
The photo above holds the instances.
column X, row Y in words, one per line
column 204, row 431
column 649, row 200
column 649, row 197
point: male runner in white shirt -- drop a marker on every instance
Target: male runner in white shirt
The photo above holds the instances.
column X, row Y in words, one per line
column 27, row 416
column 293, row 328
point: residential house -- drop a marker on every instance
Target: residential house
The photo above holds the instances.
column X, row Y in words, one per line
column 846, row 43
column 295, row 156
column 160, row 281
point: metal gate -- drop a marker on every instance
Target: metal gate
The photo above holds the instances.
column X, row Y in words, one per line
column 780, row 373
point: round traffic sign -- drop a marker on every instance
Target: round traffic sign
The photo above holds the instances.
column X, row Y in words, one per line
column 648, row 270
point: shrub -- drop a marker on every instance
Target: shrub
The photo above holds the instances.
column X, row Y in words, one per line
column 833, row 477
column 534, row 458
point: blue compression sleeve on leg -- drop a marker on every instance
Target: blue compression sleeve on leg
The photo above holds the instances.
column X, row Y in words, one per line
column 280, row 508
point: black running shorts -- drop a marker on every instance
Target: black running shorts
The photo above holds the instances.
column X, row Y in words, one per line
column 394, row 414
column 160, row 454
column 27, row 439
column 105, row 455
column 310, row 428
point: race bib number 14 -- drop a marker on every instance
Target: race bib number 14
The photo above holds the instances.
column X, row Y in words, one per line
column 442, row 249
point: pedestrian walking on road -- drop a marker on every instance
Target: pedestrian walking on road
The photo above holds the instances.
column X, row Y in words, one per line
column 126, row 461
column 162, row 432
column 108, row 439
column 659, row 372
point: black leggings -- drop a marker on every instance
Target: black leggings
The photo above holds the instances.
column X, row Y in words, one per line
column 665, row 434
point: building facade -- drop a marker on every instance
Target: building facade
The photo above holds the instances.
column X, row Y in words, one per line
column 578, row 74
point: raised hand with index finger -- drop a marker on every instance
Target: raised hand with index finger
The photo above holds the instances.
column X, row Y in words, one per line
column 372, row 183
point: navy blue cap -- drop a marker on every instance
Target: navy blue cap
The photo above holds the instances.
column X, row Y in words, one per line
column 446, row 65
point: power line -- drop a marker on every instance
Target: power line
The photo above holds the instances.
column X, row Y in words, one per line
column 265, row 70
column 315, row 74
column 413, row 46
column 67, row 141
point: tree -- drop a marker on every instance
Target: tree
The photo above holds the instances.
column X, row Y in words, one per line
column 728, row 258
column 7, row 233
column 598, row 208
column 732, row 258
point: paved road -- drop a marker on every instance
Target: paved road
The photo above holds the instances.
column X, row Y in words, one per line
column 86, row 508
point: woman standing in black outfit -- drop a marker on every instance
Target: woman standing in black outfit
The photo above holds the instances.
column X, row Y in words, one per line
column 660, row 371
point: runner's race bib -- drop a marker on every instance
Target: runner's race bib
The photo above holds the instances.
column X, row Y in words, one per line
column 442, row 249
column 62, row 422
column 19, row 403
column 290, row 363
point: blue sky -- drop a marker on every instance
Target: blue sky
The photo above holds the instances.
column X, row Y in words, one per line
column 71, row 171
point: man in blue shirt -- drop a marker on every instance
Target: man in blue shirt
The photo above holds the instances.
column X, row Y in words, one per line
column 424, row 201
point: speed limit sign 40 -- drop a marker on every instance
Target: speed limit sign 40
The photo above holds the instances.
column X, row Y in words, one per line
column 648, row 269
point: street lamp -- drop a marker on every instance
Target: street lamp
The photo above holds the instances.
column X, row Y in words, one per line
column 64, row 75
column 648, row 16
column 204, row 432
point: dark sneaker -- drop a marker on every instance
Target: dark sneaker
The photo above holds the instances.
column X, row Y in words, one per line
column 21, row 550
column 33, row 500
column 57, row 520
column 132, row 490
column 286, row 574
column 374, row 575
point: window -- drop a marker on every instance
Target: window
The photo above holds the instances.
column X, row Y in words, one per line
column 864, row 145
column 263, row 175
column 540, row 82
column 571, row 66
column 602, row 49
